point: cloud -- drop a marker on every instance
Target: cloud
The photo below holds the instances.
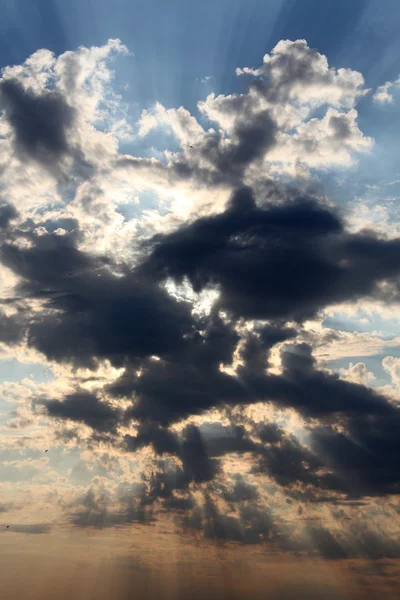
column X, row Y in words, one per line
column 60, row 122
column 31, row 529
column 10, row 329
column 285, row 261
column 73, row 283
column 101, row 507
column 296, row 72
column 358, row 373
column 318, row 143
column 5, row 507
column 252, row 526
column 172, row 358
column 391, row 364
column 85, row 408
column 270, row 130
column 39, row 123
column 7, row 214
column 383, row 95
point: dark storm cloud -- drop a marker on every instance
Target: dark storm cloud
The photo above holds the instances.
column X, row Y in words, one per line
column 286, row 261
column 169, row 390
column 359, row 461
column 47, row 261
column 162, row 440
column 197, row 449
column 278, row 262
column 118, row 319
column 191, row 382
column 128, row 318
column 362, row 460
column 90, row 313
column 39, row 123
column 256, row 347
column 197, row 465
column 84, row 408
column 11, row 329
column 7, row 214
column 314, row 392
column 288, row 462
column 220, row 440
column 365, row 456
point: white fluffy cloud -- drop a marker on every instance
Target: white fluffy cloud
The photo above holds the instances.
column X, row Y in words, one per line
column 320, row 143
column 297, row 73
column 81, row 81
column 358, row 373
column 292, row 83
column 383, row 94
column 391, row 364
column 96, row 179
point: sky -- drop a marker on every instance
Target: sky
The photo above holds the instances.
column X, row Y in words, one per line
column 199, row 298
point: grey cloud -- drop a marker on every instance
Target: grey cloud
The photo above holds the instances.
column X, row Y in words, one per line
column 95, row 510
column 88, row 312
column 190, row 448
column 250, row 526
column 286, row 261
column 11, row 328
column 85, row 408
column 7, row 506
column 7, row 214
column 30, row 529
column 293, row 69
column 39, row 123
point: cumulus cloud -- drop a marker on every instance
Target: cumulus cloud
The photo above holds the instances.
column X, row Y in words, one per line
column 383, row 95
column 52, row 108
column 39, row 123
column 392, row 366
column 358, row 373
column 269, row 129
column 296, row 72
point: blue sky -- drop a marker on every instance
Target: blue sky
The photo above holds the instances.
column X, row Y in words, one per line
column 178, row 42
